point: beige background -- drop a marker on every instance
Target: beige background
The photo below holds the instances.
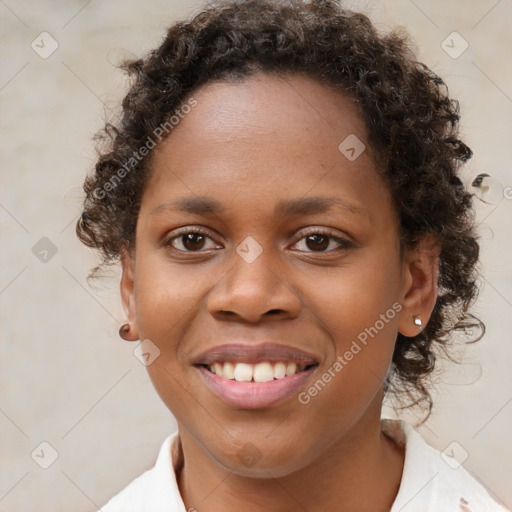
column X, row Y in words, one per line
column 66, row 378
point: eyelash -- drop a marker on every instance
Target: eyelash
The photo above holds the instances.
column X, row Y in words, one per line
column 344, row 244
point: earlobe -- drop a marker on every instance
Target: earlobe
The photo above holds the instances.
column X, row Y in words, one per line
column 420, row 288
column 129, row 331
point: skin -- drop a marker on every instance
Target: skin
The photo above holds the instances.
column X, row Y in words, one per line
column 249, row 145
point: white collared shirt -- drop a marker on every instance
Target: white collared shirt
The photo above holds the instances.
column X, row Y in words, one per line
column 430, row 483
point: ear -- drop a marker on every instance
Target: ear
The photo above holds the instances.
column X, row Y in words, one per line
column 128, row 293
column 419, row 278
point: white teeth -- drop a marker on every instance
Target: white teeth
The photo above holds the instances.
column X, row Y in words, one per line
column 217, row 367
column 279, row 370
column 261, row 372
column 291, row 369
column 228, row 371
column 243, row 372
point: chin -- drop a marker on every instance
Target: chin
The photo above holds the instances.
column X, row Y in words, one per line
column 273, row 460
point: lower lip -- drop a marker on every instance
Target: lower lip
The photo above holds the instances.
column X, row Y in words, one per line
column 255, row 395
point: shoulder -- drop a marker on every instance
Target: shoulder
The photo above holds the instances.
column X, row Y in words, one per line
column 132, row 495
column 155, row 490
column 434, row 481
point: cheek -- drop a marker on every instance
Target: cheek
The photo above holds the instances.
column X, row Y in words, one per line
column 351, row 298
column 167, row 297
column 357, row 307
column 167, row 302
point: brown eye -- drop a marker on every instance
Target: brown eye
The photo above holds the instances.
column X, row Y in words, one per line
column 193, row 241
column 189, row 241
column 317, row 242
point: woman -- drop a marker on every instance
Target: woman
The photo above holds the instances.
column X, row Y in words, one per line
column 282, row 193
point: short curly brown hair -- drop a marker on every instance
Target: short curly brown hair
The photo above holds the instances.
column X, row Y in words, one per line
column 412, row 125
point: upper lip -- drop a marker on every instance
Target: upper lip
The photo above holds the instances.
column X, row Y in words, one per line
column 255, row 353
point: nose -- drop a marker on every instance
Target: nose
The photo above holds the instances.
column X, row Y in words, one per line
column 252, row 291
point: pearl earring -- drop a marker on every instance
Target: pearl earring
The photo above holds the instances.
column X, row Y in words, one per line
column 417, row 320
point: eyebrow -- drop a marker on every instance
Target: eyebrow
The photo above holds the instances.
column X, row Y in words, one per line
column 204, row 205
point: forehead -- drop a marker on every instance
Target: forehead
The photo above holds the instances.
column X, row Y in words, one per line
column 272, row 106
column 262, row 138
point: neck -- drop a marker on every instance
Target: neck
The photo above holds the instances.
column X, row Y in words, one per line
column 361, row 471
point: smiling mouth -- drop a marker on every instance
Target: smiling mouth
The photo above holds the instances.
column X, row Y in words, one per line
column 264, row 371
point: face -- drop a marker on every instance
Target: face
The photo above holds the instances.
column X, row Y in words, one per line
column 265, row 249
